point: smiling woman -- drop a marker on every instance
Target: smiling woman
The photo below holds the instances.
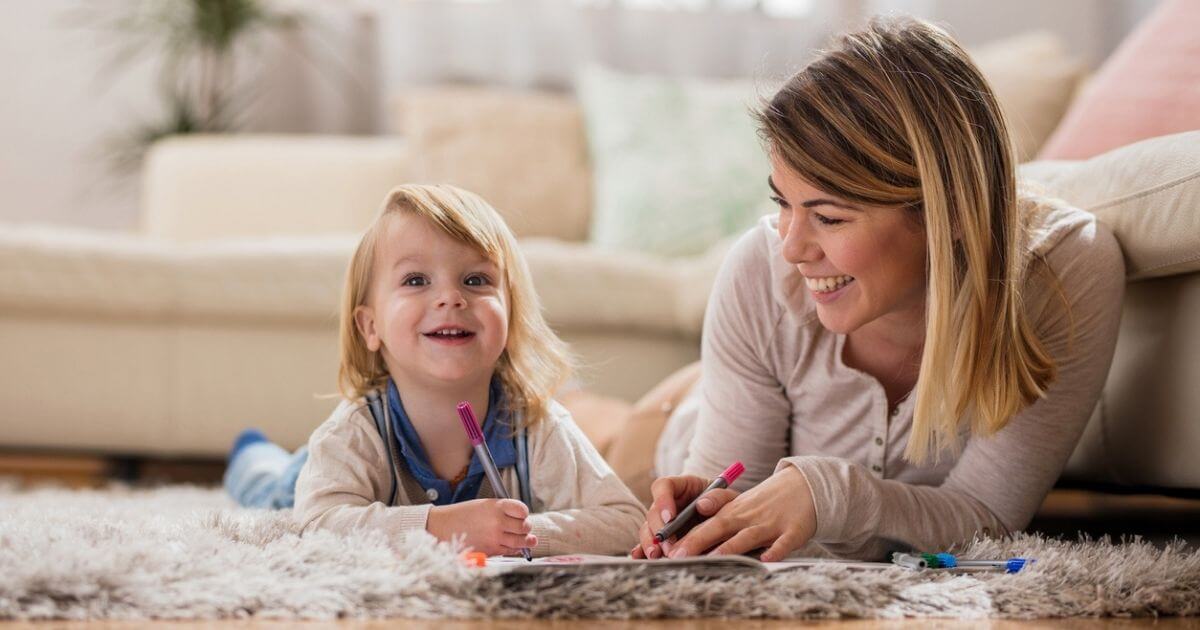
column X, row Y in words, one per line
column 905, row 356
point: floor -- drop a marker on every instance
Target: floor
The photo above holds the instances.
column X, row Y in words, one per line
column 684, row 624
column 1064, row 513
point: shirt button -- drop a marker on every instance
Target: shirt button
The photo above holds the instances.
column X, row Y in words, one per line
column 878, row 441
column 895, row 410
column 876, row 468
column 432, row 494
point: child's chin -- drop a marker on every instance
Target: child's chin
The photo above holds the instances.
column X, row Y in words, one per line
column 453, row 375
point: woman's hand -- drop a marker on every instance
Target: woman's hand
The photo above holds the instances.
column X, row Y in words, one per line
column 672, row 494
column 497, row 527
column 777, row 514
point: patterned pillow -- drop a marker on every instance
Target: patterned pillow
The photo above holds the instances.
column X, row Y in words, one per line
column 677, row 163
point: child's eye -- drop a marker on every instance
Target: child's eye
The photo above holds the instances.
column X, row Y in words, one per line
column 824, row 220
column 477, row 280
column 415, row 280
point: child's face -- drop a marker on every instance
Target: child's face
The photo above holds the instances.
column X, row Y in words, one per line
column 437, row 307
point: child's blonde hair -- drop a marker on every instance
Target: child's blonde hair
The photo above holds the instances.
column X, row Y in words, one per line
column 535, row 362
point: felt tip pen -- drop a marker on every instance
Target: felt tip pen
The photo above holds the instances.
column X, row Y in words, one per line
column 467, row 415
column 681, row 520
column 949, row 561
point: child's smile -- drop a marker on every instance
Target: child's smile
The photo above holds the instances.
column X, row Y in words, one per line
column 450, row 335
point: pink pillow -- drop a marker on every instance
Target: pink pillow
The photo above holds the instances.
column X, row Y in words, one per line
column 1149, row 87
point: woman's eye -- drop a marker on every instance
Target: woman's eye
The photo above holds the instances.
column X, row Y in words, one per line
column 415, row 281
column 476, row 280
column 779, row 201
column 824, row 220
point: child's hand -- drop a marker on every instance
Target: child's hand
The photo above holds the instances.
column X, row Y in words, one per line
column 497, row 527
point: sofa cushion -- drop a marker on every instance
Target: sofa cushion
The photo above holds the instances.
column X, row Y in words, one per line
column 299, row 279
column 1149, row 87
column 677, row 162
column 521, row 150
column 1148, row 194
column 201, row 187
column 88, row 273
column 585, row 287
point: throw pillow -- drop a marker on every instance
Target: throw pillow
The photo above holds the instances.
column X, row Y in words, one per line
column 1149, row 87
column 1034, row 79
column 677, row 163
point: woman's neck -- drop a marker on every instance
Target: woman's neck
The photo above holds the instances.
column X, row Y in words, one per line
column 889, row 348
column 433, row 412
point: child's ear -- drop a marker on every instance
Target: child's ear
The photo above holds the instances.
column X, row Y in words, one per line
column 364, row 318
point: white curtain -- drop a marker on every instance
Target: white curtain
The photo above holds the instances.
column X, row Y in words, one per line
column 542, row 43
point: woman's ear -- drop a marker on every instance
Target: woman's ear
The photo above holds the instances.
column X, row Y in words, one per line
column 364, row 318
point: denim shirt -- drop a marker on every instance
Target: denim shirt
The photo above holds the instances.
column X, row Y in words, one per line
column 497, row 433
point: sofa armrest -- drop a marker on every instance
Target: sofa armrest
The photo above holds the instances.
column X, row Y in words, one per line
column 214, row 186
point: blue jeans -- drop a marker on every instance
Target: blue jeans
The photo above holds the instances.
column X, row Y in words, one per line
column 263, row 475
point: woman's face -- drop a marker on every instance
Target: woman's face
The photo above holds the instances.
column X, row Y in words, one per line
column 861, row 263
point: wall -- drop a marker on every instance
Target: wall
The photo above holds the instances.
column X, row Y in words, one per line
column 60, row 107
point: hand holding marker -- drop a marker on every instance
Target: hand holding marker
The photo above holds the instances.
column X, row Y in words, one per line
column 682, row 519
column 467, row 415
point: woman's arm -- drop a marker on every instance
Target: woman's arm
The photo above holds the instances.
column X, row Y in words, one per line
column 743, row 412
column 997, row 484
column 587, row 509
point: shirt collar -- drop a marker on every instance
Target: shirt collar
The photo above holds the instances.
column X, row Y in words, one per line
column 497, row 434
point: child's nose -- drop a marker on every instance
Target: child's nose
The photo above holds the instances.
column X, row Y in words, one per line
column 451, row 298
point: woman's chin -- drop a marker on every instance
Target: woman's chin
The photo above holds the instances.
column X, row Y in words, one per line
column 834, row 321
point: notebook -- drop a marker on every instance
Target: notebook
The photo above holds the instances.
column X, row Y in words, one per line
column 702, row 566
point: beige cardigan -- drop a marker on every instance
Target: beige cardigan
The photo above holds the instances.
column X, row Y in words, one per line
column 580, row 505
column 775, row 392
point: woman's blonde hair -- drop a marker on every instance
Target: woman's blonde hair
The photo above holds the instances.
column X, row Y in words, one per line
column 534, row 363
column 898, row 115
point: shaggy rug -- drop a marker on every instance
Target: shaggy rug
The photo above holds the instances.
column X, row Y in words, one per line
column 188, row 553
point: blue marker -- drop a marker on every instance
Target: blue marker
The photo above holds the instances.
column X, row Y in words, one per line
column 948, row 561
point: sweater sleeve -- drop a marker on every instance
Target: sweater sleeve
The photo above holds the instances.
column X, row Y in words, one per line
column 743, row 412
column 344, row 483
column 999, row 481
column 584, row 506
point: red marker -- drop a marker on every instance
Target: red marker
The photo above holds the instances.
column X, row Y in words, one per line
column 682, row 519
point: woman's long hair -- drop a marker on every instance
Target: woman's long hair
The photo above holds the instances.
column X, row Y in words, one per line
column 898, row 115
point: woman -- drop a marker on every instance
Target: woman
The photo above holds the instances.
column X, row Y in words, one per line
column 906, row 355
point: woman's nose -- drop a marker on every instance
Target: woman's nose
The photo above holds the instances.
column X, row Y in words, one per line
column 798, row 244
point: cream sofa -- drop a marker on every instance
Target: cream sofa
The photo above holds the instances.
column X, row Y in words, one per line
column 221, row 313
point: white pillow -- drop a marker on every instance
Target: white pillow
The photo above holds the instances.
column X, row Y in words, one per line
column 677, row 163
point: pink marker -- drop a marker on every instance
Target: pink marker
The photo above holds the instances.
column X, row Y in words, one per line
column 682, row 519
column 467, row 415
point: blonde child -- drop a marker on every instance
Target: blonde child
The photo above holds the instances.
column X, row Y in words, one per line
column 439, row 308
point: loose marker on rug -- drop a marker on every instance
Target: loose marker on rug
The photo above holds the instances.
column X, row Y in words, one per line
column 949, row 561
column 467, row 415
column 724, row 480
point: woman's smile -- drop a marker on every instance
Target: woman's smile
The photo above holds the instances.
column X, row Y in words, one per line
column 827, row 289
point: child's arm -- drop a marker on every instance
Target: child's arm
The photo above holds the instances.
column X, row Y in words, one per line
column 345, row 483
column 586, row 507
